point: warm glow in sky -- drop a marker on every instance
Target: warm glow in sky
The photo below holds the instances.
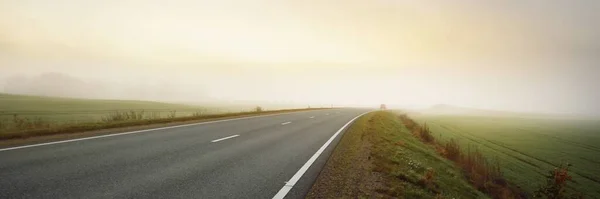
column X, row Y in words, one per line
column 507, row 54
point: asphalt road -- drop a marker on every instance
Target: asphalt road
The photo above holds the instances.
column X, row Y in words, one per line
column 244, row 158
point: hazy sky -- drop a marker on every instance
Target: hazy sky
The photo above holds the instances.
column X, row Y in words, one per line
column 536, row 55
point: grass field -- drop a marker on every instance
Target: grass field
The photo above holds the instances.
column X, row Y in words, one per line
column 26, row 116
column 528, row 147
column 378, row 157
column 60, row 110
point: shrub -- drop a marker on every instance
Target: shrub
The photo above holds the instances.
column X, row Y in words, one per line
column 197, row 114
column 118, row 116
column 408, row 123
column 38, row 122
column 153, row 115
column 451, row 150
column 422, row 132
column 428, row 177
column 556, row 185
column 20, row 123
column 425, row 134
column 479, row 171
column 172, row 114
column 114, row 117
column 136, row 115
column 258, row 109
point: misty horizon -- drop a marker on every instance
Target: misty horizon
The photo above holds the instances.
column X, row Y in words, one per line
column 500, row 55
column 51, row 84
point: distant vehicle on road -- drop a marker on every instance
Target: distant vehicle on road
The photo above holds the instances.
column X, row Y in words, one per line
column 382, row 107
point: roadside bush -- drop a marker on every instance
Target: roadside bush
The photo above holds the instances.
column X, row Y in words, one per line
column 136, row 115
column 484, row 175
column 153, row 115
column 428, row 178
column 556, row 185
column 422, row 132
column 408, row 123
column 118, row 116
column 38, row 122
column 451, row 150
column 172, row 114
column 114, row 117
column 258, row 109
column 425, row 134
column 21, row 123
column 197, row 114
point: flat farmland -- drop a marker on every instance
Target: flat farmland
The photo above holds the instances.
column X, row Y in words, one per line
column 527, row 147
column 69, row 110
column 26, row 116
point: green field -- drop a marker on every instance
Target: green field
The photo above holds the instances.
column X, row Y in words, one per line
column 26, row 116
column 68, row 110
column 528, row 147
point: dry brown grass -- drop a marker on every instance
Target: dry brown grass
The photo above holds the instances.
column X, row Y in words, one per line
column 422, row 132
column 439, row 196
column 450, row 150
column 428, row 179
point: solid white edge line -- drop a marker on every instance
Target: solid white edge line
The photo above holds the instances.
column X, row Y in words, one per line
column 221, row 139
column 286, row 123
column 140, row 131
column 290, row 183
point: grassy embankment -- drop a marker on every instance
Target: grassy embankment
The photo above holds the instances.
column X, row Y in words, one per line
column 385, row 155
column 378, row 157
column 527, row 147
column 27, row 116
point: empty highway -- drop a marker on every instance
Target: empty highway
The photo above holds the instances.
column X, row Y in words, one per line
column 257, row 157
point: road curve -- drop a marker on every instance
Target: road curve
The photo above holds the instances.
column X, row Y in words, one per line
column 245, row 158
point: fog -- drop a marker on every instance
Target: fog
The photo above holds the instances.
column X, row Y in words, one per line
column 529, row 56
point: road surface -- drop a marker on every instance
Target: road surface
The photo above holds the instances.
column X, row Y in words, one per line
column 241, row 158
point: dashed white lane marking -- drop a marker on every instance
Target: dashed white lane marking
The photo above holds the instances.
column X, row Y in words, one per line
column 285, row 123
column 140, row 131
column 311, row 117
column 327, row 114
column 289, row 184
column 221, row 139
